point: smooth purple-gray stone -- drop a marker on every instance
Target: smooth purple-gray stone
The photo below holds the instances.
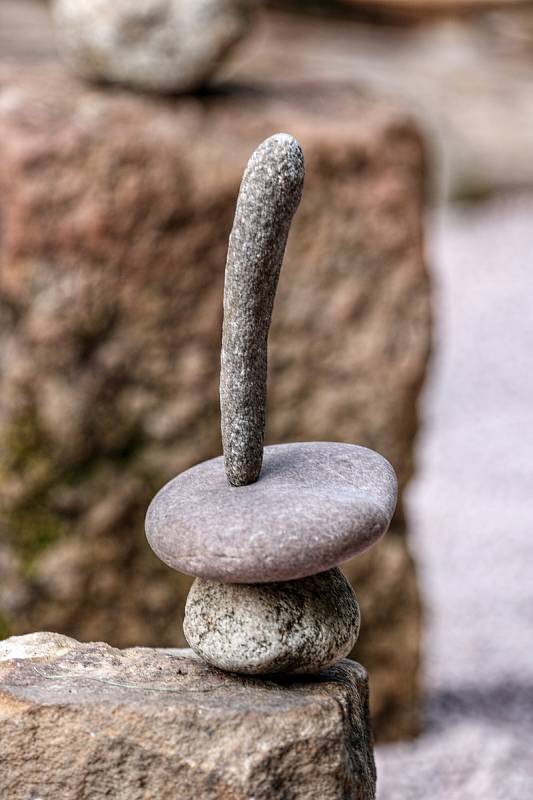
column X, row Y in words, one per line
column 315, row 505
column 294, row 626
column 270, row 192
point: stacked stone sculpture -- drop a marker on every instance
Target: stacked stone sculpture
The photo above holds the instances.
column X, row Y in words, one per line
column 263, row 529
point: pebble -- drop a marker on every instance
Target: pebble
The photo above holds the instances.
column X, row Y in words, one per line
column 152, row 45
column 270, row 193
column 314, row 506
column 297, row 626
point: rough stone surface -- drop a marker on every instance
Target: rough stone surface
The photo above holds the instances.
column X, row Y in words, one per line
column 270, row 193
column 315, row 505
column 35, row 645
column 113, row 242
column 152, row 45
column 96, row 722
column 297, row 626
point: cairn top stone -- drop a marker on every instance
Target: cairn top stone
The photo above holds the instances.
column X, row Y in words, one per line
column 315, row 505
column 270, row 193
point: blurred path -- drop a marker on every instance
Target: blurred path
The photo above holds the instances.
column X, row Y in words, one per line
column 471, row 507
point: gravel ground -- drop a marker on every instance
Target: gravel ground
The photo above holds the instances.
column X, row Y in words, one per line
column 471, row 508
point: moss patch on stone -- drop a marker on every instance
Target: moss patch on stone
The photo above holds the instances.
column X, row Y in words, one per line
column 5, row 631
column 26, row 452
column 32, row 530
column 30, row 516
column 30, row 522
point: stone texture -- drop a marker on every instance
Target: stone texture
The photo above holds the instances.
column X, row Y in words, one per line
column 315, row 505
column 152, row 45
column 35, row 645
column 297, row 626
column 137, row 724
column 270, row 193
column 112, row 248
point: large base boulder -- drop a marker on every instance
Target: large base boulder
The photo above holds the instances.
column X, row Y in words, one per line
column 85, row 720
column 115, row 212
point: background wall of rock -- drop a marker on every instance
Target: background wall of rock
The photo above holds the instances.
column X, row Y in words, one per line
column 114, row 217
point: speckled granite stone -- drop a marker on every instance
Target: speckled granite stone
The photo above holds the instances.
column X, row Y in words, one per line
column 270, row 193
column 152, row 45
column 314, row 506
column 294, row 626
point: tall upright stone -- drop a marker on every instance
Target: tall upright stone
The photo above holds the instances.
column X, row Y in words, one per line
column 270, row 194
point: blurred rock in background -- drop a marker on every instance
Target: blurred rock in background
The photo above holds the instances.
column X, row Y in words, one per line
column 465, row 72
column 115, row 213
column 174, row 46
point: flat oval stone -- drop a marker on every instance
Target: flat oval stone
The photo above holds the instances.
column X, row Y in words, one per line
column 314, row 506
column 294, row 626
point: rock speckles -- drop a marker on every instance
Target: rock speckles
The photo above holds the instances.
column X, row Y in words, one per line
column 269, row 196
column 152, row 45
column 264, row 540
column 296, row 626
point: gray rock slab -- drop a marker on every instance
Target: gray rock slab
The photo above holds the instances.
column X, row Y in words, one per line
column 270, row 193
column 90, row 721
column 315, row 505
column 295, row 626
column 151, row 45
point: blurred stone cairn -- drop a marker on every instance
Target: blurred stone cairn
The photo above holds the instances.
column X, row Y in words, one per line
column 263, row 530
column 153, row 45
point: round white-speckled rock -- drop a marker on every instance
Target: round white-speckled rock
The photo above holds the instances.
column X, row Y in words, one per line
column 152, row 45
column 294, row 626
column 314, row 506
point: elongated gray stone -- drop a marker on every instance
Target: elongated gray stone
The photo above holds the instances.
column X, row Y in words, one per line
column 270, row 192
column 295, row 626
column 314, row 506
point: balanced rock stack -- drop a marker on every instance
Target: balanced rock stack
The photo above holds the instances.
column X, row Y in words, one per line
column 264, row 529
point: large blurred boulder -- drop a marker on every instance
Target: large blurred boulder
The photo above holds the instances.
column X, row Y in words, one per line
column 114, row 218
